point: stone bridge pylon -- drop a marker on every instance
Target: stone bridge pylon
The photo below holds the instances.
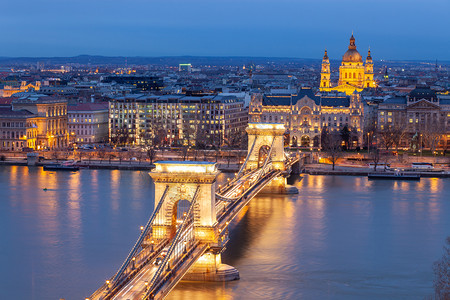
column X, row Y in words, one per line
column 266, row 146
column 183, row 183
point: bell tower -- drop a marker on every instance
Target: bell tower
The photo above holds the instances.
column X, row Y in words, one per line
column 368, row 72
column 325, row 72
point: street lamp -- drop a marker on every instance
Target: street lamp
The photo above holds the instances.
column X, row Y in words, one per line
column 421, row 149
column 368, row 143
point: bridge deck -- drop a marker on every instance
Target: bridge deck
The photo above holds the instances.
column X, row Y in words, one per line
column 133, row 286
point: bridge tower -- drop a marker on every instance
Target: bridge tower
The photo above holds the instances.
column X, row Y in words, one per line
column 184, row 181
column 267, row 140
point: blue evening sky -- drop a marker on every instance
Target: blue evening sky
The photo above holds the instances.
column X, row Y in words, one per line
column 394, row 29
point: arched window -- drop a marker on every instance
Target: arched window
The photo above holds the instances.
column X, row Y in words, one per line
column 305, row 111
column 354, row 75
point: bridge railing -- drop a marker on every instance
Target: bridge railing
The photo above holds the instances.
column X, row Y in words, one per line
column 184, row 238
column 111, row 284
column 247, row 195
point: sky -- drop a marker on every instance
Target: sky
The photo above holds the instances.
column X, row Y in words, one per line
column 394, row 29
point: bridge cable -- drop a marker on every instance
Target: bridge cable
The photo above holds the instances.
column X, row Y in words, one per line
column 138, row 243
column 266, row 160
column 246, row 159
column 224, row 199
column 161, row 268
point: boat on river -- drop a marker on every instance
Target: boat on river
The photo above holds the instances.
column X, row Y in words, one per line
column 64, row 166
column 397, row 175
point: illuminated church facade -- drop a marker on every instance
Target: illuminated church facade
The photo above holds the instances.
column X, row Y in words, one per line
column 354, row 75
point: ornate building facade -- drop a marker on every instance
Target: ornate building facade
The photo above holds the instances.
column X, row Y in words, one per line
column 177, row 119
column 422, row 119
column 51, row 118
column 18, row 129
column 353, row 74
column 305, row 115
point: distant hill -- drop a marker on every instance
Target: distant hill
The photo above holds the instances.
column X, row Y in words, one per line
column 175, row 60
column 167, row 60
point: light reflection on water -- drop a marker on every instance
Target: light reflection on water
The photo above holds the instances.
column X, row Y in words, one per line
column 340, row 238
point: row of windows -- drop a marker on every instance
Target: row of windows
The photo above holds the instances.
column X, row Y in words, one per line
column 81, row 120
column 12, row 124
column 56, row 111
column 13, row 134
column 13, row 144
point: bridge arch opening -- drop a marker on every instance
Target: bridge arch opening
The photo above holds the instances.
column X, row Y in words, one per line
column 179, row 212
column 262, row 155
column 305, row 141
column 316, row 141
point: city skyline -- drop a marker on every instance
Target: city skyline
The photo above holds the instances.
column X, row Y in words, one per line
column 297, row 29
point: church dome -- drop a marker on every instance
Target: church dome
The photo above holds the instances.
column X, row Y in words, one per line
column 352, row 55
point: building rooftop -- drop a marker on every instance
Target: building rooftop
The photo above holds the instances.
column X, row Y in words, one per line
column 88, row 107
column 395, row 100
column 9, row 112
column 5, row 101
column 335, row 101
column 422, row 93
column 286, row 100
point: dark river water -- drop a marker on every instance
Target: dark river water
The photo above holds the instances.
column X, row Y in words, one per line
column 340, row 238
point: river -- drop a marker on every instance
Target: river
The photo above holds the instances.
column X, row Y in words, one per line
column 342, row 237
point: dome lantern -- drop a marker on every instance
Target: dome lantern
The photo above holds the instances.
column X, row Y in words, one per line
column 352, row 55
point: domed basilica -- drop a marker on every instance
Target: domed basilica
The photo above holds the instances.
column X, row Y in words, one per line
column 353, row 74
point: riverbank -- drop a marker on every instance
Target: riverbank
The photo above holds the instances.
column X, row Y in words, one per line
column 345, row 170
column 113, row 165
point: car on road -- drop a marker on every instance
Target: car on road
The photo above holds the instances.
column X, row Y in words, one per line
column 161, row 256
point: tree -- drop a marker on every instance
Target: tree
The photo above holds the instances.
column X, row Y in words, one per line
column 399, row 132
column 55, row 155
column 346, row 135
column 333, row 146
column 375, row 156
column 121, row 136
column 387, row 137
column 151, row 154
column 80, row 155
column 184, row 152
column 324, row 137
column 432, row 135
column 101, row 153
column 441, row 270
column 200, row 138
column 237, row 139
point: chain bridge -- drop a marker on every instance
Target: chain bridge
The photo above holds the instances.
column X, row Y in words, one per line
column 188, row 230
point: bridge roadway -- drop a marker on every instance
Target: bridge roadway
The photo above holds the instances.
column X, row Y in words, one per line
column 240, row 191
column 139, row 284
column 224, row 218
